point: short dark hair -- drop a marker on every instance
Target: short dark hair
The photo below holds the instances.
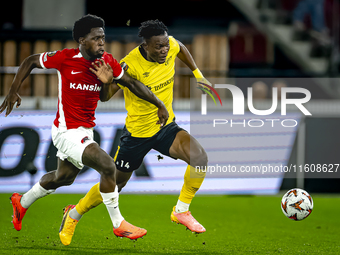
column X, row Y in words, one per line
column 152, row 28
column 84, row 25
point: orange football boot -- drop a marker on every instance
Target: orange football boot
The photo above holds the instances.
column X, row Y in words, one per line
column 128, row 230
column 18, row 211
column 187, row 220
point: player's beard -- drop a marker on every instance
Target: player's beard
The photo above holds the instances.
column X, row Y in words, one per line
column 91, row 54
column 99, row 53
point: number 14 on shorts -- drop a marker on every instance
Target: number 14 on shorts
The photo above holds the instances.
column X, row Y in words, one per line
column 127, row 166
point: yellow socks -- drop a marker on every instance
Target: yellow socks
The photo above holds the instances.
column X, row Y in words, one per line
column 91, row 200
column 192, row 182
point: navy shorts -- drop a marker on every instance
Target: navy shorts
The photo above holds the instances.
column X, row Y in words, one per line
column 132, row 150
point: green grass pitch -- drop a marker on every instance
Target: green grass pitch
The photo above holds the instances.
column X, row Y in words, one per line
column 235, row 225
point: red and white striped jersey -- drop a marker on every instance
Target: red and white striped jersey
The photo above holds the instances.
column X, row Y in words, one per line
column 78, row 87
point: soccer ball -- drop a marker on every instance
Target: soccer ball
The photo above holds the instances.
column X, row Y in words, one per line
column 297, row 204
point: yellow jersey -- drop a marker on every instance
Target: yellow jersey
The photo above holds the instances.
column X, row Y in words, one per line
column 159, row 78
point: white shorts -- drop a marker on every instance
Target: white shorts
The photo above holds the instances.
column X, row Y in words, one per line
column 72, row 143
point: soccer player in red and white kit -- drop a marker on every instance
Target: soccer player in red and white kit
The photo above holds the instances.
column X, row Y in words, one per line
column 72, row 130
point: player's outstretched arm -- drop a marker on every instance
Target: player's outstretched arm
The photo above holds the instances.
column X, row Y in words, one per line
column 24, row 70
column 187, row 59
column 108, row 91
column 104, row 72
column 140, row 90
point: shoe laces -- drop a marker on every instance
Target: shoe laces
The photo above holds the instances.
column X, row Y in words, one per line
column 71, row 224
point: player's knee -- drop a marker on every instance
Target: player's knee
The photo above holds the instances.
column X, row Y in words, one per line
column 199, row 158
column 108, row 168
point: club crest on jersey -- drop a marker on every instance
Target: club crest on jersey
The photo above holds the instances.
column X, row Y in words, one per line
column 88, row 87
column 85, row 139
column 52, row 53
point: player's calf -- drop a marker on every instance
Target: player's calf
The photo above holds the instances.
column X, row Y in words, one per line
column 59, row 178
column 198, row 158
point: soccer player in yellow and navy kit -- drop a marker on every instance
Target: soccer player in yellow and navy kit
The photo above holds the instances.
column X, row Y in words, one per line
column 152, row 63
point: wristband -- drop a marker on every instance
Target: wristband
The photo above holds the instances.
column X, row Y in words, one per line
column 197, row 73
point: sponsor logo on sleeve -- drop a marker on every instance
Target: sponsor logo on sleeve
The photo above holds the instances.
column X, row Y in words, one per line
column 124, row 66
